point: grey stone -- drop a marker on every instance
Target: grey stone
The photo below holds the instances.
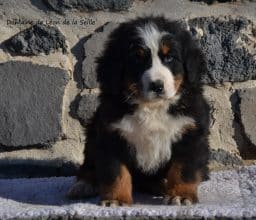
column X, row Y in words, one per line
column 31, row 103
column 35, row 40
column 247, row 184
column 225, row 158
column 229, row 46
column 222, row 118
column 93, row 48
column 87, row 106
column 88, row 5
column 248, row 113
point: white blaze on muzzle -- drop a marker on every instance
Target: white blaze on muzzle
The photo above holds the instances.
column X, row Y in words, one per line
column 157, row 72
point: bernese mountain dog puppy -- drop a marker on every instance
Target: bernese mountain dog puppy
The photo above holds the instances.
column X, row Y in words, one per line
column 150, row 130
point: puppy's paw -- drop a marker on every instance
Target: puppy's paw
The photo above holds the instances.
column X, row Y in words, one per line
column 81, row 189
column 177, row 200
column 112, row 203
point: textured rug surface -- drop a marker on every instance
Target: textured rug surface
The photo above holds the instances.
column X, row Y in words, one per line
column 230, row 194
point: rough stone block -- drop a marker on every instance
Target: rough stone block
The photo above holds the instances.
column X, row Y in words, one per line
column 229, row 45
column 87, row 106
column 31, row 103
column 37, row 39
column 87, row 5
column 224, row 158
column 248, row 113
column 93, row 48
column 221, row 126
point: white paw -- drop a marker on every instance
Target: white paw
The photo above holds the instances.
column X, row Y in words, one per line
column 112, row 203
column 177, row 200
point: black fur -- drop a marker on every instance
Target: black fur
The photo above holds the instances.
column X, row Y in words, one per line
column 105, row 149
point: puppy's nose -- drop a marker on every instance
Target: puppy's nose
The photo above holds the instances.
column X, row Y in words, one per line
column 157, row 86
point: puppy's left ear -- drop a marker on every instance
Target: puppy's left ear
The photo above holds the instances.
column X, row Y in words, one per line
column 194, row 60
column 195, row 64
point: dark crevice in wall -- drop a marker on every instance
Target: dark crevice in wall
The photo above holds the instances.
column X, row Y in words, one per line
column 209, row 2
column 41, row 146
column 4, row 148
column 26, row 170
column 246, row 148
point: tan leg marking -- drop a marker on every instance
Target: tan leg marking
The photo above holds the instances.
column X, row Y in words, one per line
column 180, row 192
column 120, row 192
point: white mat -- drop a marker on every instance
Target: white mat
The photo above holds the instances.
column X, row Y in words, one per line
column 228, row 194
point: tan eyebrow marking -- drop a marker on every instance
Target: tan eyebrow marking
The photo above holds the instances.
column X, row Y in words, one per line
column 165, row 49
column 165, row 45
column 178, row 81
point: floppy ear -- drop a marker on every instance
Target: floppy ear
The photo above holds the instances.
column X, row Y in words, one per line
column 111, row 63
column 195, row 64
column 194, row 61
column 109, row 73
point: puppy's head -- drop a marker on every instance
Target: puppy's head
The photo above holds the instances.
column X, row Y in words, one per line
column 150, row 60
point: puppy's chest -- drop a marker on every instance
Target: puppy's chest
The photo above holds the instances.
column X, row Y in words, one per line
column 151, row 132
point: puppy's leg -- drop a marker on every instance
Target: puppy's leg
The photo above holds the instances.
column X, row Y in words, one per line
column 119, row 191
column 178, row 191
column 85, row 185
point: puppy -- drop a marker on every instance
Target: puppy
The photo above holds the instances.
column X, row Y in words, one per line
column 150, row 131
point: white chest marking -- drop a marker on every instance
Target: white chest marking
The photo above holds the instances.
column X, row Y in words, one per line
column 151, row 131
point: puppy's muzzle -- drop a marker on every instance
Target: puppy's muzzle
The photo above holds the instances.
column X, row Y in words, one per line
column 157, row 87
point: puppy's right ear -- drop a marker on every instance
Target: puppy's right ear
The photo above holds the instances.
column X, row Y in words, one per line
column 111, row 63
column 109, row 73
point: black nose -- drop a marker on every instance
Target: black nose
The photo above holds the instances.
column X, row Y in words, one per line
column 157, row 86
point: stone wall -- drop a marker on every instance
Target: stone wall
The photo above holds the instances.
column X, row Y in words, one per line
column 48, row 88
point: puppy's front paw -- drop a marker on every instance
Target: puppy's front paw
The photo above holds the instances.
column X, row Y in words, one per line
column 112, row 203
column 177, row 200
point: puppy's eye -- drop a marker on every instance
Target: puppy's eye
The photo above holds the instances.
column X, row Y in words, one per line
column 140, row 52
column 168, row 59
